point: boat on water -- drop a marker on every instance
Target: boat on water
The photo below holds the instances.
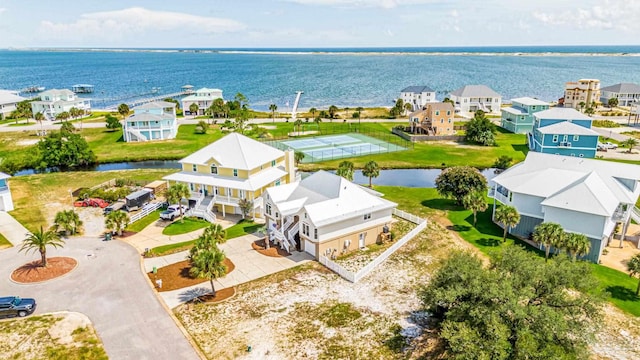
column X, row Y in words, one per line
column 33, row 89
column 82, row 88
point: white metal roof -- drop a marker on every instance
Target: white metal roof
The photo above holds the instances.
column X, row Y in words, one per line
column 155, row 105
column 475, row 91
column 235, row 151
column 255, row 182
column 589, row 194
column 529, row 101
column 515, row 111
column 567, row 128
column 54, row 92
column 4, row 176
column 561, row 114
column 10, row 97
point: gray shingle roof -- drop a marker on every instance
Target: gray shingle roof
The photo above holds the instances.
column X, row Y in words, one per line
column 417, row 89
column 623, row 88
column 475, row 91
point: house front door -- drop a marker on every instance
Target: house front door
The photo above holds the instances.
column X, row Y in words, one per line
column 361, row 241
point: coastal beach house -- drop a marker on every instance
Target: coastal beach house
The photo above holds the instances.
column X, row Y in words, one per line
column 584, row 196
column 471, row 98
column 563, row 131
column 151, row 121
column 53, row 102
column 6, row 202
column 8, row 102
column 626, row 93
column 436, row 119
column 203, row 98
column 518, row 118
column 232, row 168
column 581, row 94
column 417, row 96
column 325, row 214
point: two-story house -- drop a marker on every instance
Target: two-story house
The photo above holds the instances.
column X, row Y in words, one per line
column 8, row 102
column 53, row 102
column 584, row 196
column 325, row 214
column 6, row 202
column 417, row 96
column 435, row 119
column 581, row 94
column 626, row 93
column 563, row 131
column 471, row 98
column 518, row 118
column 151, row 121
column 203, row 98
column 232, row 168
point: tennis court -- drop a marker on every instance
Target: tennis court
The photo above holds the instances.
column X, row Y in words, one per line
column 340, row 146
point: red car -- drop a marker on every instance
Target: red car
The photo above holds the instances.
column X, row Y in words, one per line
column 91, row 203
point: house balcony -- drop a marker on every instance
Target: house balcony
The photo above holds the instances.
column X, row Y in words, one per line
column 564, row 144
column 622, row 213
column 498, row 196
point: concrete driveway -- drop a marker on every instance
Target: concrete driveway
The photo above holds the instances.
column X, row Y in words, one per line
column 109, row 287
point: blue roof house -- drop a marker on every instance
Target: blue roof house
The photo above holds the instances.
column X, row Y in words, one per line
column 563, row 131
column 518, row 118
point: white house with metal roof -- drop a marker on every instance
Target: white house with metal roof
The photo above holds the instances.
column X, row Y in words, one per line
column 417, row 96
column 585, row 196
column 202, row 97
column 151, row 121
column 230, row 169
column 471, row 98
column 626, row 93
column 55, row 101
column 6, row 202
column 325, row 214
column 9, row 101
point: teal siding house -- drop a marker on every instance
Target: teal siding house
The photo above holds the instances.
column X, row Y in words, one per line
column 563, row 131
column 518, row 118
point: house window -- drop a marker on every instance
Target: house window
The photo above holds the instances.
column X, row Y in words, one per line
column 576, row 137
column 235, row 172
column 555, row 138
column 273, row 163
column 437, row 112
column 448, row 112
column 367, row 216
column 449, row 121
column 241, row 194
column 277, row 183
column 305, row 229
column 581, row 155
column 214, row 169
column 268, row 209
column 565, row 138
column 441, row 121
column 194, row 167
column 510, row 196
column 305, row 215
column 192, row 187
column 315, row 233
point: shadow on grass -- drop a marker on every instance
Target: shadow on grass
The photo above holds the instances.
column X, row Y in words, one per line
column 459, row 228
column 521, row 148
column 622, row 293
column 442, row 204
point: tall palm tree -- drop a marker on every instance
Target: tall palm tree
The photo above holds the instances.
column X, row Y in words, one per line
column 317, row 121
column 408, row 107
column 175, row 194
column 39, row 241
column 214, row 233
column 548, row 234
column 298, row 156
column 582, row 104
column 633, row 266
column 630, row 143
column 123, row 110
column 577, row 245
column 117, row 221
column 475, row 202
column 208, row 264
column 508, row 216
column 313, row 112
column 194, row 108
column 371, row 170
column 39, row 117
column 345, row 169
column 359, row 109
column 67, row 221
column 346, row 112
column 273, row 108
column 298, row 124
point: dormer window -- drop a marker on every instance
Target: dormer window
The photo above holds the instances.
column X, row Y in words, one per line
column 273, row 163
column 214, row 169
column 194, row 167
column 235, row 172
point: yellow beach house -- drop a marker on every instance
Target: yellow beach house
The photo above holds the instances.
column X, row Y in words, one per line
column 232, row 168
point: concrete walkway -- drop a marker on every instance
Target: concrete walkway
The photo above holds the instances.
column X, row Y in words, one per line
column 12, row 229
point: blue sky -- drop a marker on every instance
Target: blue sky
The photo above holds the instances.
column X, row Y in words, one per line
column 316, row 23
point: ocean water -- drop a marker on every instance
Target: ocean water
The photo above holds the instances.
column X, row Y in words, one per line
column 342, row 77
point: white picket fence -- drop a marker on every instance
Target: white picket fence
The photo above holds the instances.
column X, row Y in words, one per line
column 148, row 209
column 355, row 277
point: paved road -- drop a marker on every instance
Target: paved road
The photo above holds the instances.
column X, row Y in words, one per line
column 109, row 287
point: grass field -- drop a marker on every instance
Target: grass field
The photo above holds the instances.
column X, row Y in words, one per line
column 144, row 222
column 183, row 226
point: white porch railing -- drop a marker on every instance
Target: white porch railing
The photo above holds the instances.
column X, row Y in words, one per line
column 136, row 133
column 635, row 214
column 144, row 212
column 291, row 233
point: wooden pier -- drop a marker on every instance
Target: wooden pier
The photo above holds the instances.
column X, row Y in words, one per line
column 139, row 102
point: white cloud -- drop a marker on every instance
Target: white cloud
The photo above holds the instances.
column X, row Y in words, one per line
column 387, row 4
column 119, row 24
column 2, row 10
column 612, row 14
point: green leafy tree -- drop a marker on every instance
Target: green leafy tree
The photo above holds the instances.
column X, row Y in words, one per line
column 194, row 108
column 448, row 100
column 67, row 128
column 633, row 267
column 517, row 308
column 480, row 130
column 475, row 202
column 577, row 245
column 24, row 107
column 458, row 181
column 503, row 162
column 333, row 110
column 208, row 263
column 174, row 101
column 201, row 128
column 64, row 150
column 589, row 111
column 273, row 108
column 298, row 156
column 67, row 221
column 175, row 193
column 123, row 110
column 112, row 122
column 582, row 104
column 74, row 112
column 117, row 221
column 613, row 102
column 549, row 235
column 408, row 108
column 371, row 170
column 39, row 240
column 246, row 206
column 509, row 217
column 345, row 169
column 630, row 143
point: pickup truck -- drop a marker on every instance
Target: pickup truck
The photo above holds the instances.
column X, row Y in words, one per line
column 172, row 212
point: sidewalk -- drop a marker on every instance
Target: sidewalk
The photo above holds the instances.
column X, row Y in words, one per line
column 12, row 229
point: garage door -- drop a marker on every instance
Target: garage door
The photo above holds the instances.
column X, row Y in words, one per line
column 310, row 247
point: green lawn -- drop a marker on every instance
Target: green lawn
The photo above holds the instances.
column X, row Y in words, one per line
column 144, row 222
column 183, row 226
column 243, row 227
column 4, row 243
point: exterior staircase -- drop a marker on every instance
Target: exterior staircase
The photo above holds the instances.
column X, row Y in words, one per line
column 137, row 134
column 635, row 214
column 203, row 209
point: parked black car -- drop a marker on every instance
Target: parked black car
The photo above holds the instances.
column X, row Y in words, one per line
column 16, row 306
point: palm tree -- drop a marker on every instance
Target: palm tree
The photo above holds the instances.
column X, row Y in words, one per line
column 613, row 102
column 630, row 143
column 297, row 157
column 359, row 109
column 215, row 234
column 175, row 194
column 39, row 117
column 577, row 245
column 582, row 104
column 273, row 108
column 117, row 221
column 633, row 266
column 548, row 234
column 346, row 112
column 313, row 112
column 194, row 108
column 332, row 111
column 39, row 241
column 317, row 121
column 298, row 124
column 62, row 116
column 123, row 110
column 508, row 216
column 67, row 221
column 345, row 169
column 589, row 111
column 371, row 170
column 208, row 264
column 475, row 202
column 408, row 107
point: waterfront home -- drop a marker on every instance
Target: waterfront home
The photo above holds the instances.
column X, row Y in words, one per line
column 8, row 102
column 417, row 96
column 581, row 94
column 6, row 202
column 151, row 121
column 584, row 196
column 563, row 131
column 471, row 98
column 325, row 214
column 626, row 93
column 518, row 118
column 55, row 101
column 435, row 119
column 203, row 98
column 232, row 168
